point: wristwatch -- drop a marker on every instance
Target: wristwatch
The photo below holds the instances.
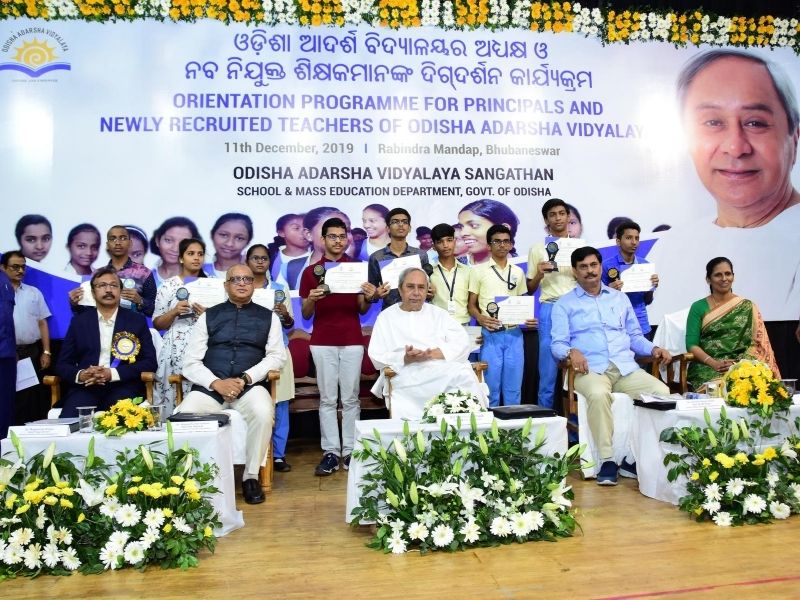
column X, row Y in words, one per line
column 246, row 378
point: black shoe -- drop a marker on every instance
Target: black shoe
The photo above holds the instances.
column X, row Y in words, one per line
column 608, row 473
column 346, row 463
column 281, row 466
column 252, row 492
column 327, row 466
column 628, row 470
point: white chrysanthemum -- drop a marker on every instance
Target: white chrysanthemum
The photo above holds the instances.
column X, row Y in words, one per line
column 437, row 490
column 180, row 524
column 21, row 537
column 51, row 555
column 153, row 518
column 735, row 487
column 723, row 519
column 442, row 535
column 128, row 515
column 13, row 554
column 70, row 560
column 779, row 510
column 110, row 506
column 773, row 478
column 713, row 492
column 469, row 496
column 110, row 556
column 795, row 487
column 712, row 506
column 33, row 556
column 149, row 538
column 534, row 519
column 10, row 520
column 499, row 485
column 754, row 504
column 519, row 525
column 396, row 543
column 134, row 553
column 500, row 527
column 470, row 531
column 117, row 540
column 417, row 531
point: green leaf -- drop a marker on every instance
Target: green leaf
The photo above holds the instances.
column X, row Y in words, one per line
column 90, row 454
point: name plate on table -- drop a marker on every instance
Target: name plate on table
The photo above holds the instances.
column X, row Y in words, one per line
column 194, row 426
column 698, row 403
column 41, row 431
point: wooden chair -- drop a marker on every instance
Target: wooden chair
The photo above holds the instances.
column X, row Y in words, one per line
column 265, row 473
column 54, row 383
column 479, row 367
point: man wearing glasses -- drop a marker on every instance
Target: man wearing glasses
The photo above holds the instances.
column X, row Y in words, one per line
column 232, row 348
column 32, row 337
column 337, row 347
column 105, row 350
column 502, row 345
column 399, row 222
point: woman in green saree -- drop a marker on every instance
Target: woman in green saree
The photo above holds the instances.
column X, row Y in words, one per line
column 723, row 328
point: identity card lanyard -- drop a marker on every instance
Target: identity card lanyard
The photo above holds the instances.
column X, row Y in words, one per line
column 451, row 287
column 511, row 286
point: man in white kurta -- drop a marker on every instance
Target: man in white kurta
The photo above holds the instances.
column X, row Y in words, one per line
column 424, row 346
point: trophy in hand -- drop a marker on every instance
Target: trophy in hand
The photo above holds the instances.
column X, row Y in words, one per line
column 552, row 250
column 182, row 294
column 613, row 274
column 280, row 296
column 319, row 272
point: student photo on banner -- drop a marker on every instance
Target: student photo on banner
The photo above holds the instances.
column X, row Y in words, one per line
column 83, row 243
column 230, row 235
column 476, row 218
column 35, row 236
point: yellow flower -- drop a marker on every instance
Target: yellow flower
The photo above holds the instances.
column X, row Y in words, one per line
column 758, row 461
column 167, row 528
column 190, row 486
column 695, row 476
column 725, row 460
column 770, row 453
column 66, row 503
column 50, row 501
column 741, row 457
column 81, row 518
column 136, row 479
column 174, row 491
column 713, row 476
column 176, row 479
column 10, row 501
column 168, row 512
column 109, row 421
column 698, row 510
column 208, row 532
column 22, row 509
column 111, row 490
column 132, row 491
column 706, row 462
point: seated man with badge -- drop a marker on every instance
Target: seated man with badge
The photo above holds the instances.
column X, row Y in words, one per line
column 105, row 350
column 424, row 346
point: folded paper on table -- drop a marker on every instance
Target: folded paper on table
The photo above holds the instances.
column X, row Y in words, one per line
column 346, row 277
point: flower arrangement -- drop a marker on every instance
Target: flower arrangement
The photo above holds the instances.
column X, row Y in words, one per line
column 732, row 478
column 130, row 414
column 451, row 403
column 752, row 385
column 452, row 491
column 61, row 513
column 691, row 27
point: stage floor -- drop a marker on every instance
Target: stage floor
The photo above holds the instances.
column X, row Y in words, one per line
column 297, row 545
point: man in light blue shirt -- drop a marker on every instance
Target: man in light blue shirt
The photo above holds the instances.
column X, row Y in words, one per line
column 596, row 327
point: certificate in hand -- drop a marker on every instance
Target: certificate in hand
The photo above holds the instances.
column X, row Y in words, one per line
column 264, row 297
column 636, row 278
column 391, row 268
column 514, row 310
column 566, row 246
column 87, row 299
column 206, row 291
column 346, row 277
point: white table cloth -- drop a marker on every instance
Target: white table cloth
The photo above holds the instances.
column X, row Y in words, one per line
column 214, row 447
column 389, row 429
column 650, row 452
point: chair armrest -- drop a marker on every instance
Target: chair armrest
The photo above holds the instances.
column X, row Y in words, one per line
column 389, row 372
column 54, row 383
column 479, row 367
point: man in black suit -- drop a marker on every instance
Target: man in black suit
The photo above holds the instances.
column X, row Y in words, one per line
column 105, row 351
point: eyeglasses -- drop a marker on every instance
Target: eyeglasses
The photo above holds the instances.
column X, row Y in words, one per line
column 237, row 279
column 106, row 286
column 399, row 222
column 259, row 258
column 502, row 242
column 118, row 238
column 332, row 237
column 17, row 267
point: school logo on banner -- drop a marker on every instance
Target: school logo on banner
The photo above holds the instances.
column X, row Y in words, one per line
column 34, row 51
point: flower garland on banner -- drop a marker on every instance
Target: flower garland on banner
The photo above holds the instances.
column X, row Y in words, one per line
column 735, row 475
column 451, row 490
column 61, row 513
column 694, row 27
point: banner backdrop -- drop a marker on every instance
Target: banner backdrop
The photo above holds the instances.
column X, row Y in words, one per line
column 134, row 123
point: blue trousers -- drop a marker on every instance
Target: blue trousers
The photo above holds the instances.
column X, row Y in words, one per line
column 280, row 431
column 548, row 367
column 503, row 351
